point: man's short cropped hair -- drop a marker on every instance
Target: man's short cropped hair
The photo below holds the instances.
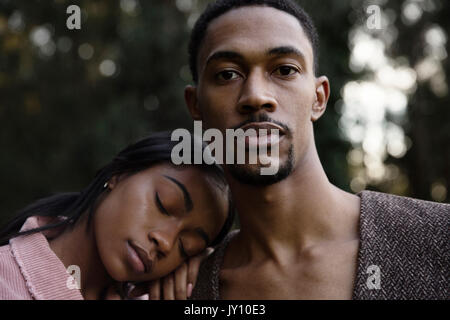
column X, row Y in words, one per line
column 220, row 7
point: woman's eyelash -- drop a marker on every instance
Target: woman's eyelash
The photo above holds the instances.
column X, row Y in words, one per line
column 159, row 204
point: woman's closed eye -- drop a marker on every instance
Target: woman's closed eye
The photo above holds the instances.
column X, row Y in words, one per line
column 164, row 211
column 160, row 206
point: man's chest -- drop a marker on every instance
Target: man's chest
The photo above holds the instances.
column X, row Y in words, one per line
column 329, row 275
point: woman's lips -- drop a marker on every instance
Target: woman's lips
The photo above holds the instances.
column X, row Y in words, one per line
column 138, row 258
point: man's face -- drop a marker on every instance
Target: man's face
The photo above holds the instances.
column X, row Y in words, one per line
column 256, row 65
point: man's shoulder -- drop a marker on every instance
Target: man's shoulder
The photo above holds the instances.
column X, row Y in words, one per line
column 403, row 220
column 408, row 240
column 219, row 251
column 387, row 208
column 207, row 285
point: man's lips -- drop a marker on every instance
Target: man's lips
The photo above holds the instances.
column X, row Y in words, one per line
column 263, row 125
column 264, row 135
column 143, row 255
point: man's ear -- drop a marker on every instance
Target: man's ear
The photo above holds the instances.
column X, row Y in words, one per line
column 322, row 95
column 190, row 97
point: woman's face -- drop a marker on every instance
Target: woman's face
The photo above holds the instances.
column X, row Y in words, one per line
column 150, row 222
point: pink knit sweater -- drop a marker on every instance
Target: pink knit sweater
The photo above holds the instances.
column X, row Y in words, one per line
column 29, row 269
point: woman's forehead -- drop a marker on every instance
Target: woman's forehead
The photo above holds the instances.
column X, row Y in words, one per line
column 199, row 183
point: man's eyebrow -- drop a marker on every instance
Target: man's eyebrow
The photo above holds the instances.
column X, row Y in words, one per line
column 286, row 50
column 233, row 55
column 204, row 235
column 187, row 198
column 230, row 55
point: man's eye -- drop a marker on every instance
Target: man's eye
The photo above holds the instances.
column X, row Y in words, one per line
column 285, row 71
column 227, row 75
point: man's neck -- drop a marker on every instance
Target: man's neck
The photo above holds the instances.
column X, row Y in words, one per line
column 281, row 220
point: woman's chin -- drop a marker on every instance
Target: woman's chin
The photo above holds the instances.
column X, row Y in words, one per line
column 119, row 271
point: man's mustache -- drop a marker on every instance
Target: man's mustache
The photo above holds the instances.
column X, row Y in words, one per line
column 263, row 117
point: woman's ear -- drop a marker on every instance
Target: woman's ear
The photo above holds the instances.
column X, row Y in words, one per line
column 190, row 97
column 112, row 183
column 322, row 95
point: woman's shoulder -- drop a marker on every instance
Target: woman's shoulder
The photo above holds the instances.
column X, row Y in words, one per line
column 7, row 261
column 29, row 269
column 12, row 283
column 5, row 250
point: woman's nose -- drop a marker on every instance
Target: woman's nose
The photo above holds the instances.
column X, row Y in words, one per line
column 163, row 241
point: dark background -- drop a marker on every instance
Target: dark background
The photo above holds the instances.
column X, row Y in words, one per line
column 71, row 99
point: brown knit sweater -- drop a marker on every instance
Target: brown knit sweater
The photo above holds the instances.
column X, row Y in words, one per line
column 408, row 239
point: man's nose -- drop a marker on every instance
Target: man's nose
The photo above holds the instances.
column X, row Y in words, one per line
column 256, row 95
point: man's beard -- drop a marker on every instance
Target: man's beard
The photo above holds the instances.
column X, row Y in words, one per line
column 253, row 176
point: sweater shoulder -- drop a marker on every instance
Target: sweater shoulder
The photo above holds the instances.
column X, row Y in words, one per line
column 7, row 261
column 5, row 250
column 12, row 283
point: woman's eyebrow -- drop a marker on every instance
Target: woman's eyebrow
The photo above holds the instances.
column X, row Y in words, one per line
column 188, row 204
